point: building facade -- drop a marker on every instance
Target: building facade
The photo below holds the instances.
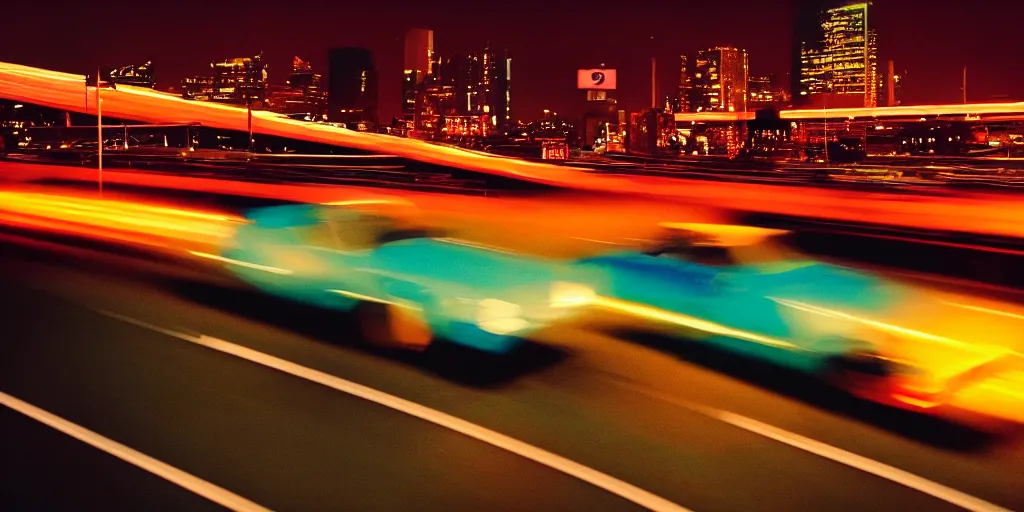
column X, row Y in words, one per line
column 720, row 80
column 838, row 59
column 352, row 93
column 495, row 87
column 464, row 95
column 418, row 62
column 681, row 102
column 764, row 93
column 141, row 75
column 240, row 79
column 303, row 93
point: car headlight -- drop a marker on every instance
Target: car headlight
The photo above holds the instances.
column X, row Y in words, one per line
column 500, row 317
column 568, row 295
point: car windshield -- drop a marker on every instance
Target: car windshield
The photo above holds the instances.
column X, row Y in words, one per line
column 408, row 232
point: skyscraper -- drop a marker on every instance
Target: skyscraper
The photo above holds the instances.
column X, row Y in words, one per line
column 497, row 85
column 484, row 88
column 720, row 78
column 838, row 61
column 303, row 93
column 352, row 82
column 418, row 59
column 439, row 96
column 682, row 99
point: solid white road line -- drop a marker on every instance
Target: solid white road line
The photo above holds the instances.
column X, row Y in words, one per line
column 850, row 459
column 865, row 464
column 170, row 473
column 592, row 476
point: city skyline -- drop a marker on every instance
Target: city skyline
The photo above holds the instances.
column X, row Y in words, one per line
column 546, row 60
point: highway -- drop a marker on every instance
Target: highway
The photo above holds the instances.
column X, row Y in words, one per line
column 64, row 91
column 283, row 407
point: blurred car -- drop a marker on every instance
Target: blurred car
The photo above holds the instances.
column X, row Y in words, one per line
column 738, row 288
column 407, row 285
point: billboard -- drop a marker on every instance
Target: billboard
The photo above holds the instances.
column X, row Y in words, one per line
column 591, row 79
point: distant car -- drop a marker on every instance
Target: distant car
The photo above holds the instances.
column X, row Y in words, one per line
column 406, row 285
column 739, row 289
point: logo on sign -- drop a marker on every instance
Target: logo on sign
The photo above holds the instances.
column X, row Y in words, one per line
column 595, row 79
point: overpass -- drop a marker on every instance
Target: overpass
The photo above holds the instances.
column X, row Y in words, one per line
column 1013, row 111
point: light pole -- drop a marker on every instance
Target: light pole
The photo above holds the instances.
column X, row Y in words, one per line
column 248, row 105
column 965, row 84
column 99, row 134
column 824, row 109
column 654, row 76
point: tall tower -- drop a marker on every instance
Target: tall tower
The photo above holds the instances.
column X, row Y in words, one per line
column 419, row 55
column 720, row 80
column 682, row 102
column 838, row 57
column 352, row 86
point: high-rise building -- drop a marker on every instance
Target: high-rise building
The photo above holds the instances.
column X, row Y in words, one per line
column 807, row 32
column 838, row 60
column 302, row 94
column 483, row 88
column 352, row 83
column 497, row 85
column 681, row 103
column 239, row 80
column 720, row 77
column 439, row 96
column 418, row 59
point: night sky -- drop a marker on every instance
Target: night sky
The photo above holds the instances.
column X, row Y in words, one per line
column 931, row 39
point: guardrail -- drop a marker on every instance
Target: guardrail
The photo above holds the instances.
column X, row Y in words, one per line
column 902, row 179
column 385, row 171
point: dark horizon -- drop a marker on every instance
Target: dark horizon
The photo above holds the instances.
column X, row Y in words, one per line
column 548, row 41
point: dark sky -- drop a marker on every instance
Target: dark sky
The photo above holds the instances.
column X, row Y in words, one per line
column 931, row 39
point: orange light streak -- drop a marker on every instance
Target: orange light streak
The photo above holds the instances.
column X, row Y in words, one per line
column 112, row 219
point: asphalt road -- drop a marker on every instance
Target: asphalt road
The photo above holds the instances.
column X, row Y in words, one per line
column 698, row 429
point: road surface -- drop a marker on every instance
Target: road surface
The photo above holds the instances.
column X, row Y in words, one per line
column 109, row 344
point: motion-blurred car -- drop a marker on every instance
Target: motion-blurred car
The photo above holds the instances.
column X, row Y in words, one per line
column 740, row 289
column 406, row 285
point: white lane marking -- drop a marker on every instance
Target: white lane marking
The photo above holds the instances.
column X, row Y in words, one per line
column 170, row 473
column 850, row 459
column 862, row 463
column 592, row 476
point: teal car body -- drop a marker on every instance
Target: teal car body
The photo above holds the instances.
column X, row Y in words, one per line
column 340, row 258
column 768, row 309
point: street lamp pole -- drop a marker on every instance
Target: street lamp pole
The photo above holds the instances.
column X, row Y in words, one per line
column 824, row 109
column 99, row 134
